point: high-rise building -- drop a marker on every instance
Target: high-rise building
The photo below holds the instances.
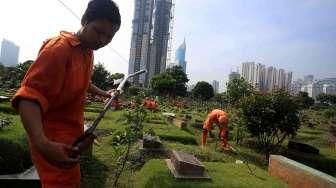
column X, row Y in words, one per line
column 215, row 85
column 9, row 53
column 162, row 16
column 234, row 75
column 248, row 72
column 281, row 78
column 150, row 36
column 180, row 56
column 271, row 79
column 140, row 43
column 295, row 88
column 329, row 89
column 314, row 89
column 266, row 79
column 259, row 80
column 288, row 80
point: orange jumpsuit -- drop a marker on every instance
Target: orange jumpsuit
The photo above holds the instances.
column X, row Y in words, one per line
column 58, row 81
column 220, row 118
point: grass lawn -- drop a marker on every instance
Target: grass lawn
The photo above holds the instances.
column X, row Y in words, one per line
column 156, row 174
column 99, row 171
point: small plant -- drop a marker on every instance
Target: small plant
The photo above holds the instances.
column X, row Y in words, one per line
column 133, row 120
column 150, row 131
column 5, row 121
column 239, row 129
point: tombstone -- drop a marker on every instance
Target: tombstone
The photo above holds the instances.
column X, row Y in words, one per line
column 170, row 116
column 150, row 144
column 186, row 167
column 28, row 178
column 181, row 123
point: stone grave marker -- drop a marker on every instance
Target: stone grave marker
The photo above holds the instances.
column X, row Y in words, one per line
column 185, row 166
column 150, row 143
column 27, row 178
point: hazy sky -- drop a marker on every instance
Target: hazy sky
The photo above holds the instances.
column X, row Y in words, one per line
column 299, row 36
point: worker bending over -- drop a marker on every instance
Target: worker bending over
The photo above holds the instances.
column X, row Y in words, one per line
column 220, row 118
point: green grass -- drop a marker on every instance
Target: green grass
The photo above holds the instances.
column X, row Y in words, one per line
column 156, row 174
column 172, row 133
column 318, row 137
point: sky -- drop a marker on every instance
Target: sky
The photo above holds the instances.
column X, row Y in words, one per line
column 298, row 36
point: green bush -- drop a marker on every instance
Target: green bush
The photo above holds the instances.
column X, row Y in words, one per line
column 8, row 109
column 330, row 113
column 14, row 156
column 270, row 119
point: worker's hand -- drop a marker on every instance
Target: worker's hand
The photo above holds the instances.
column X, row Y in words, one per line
column 58, row 154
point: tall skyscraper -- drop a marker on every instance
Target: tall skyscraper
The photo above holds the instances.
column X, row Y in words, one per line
column 215, row 85
column 160, row 36
column 248, row 72
column 259, row 80
column 180, row 56
column 288, row 81
column 281, row 79
column 140, row 43
column 9, row 53
column 150, row 38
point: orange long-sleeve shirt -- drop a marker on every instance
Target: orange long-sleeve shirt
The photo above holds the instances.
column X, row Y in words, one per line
column 58, row 81
column 213, row 117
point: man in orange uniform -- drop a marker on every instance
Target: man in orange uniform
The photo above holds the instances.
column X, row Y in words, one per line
column 220, row 118
column 52, row 95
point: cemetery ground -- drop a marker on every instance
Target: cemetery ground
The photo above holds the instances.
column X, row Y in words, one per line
column 144, row 169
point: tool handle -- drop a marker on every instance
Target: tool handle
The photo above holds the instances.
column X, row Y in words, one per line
column 83, row 143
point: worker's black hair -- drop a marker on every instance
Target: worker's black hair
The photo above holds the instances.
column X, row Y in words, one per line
column 101, row 9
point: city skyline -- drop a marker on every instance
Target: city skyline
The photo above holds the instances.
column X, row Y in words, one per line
column 295, row 35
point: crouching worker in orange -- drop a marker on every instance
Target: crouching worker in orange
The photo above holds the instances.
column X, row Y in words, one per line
column 220, row 118
column 52, row 95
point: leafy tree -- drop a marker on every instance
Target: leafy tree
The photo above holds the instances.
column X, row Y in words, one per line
column 270, row 119
column 327, row 99
column 22, row 69
column 2, row 70
column 303, row 100
column 10, row 78
column 203, row 90
column 117, row 76
column 163, row 84
column 181, row 80
column 101, row 76
column 237, row 89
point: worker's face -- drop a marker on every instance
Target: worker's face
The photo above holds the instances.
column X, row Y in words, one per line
column 98, row 33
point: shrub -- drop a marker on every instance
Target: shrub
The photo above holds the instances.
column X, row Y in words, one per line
column 330, row 113
column 14, row 156
column 270, row 119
